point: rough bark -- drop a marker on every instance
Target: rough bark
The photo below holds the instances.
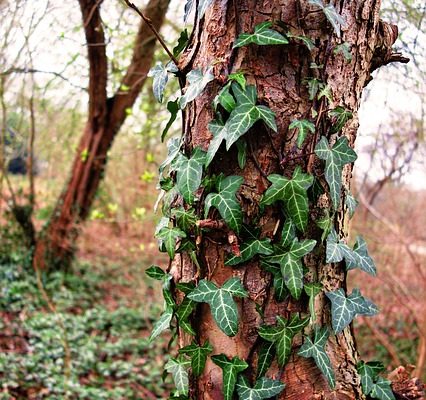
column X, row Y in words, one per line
column 56, row 244
column 278, row 73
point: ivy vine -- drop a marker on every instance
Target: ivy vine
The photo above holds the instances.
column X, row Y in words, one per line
column 186, row 184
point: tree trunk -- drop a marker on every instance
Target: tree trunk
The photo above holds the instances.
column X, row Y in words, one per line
column 56, row 244
column 279, row 74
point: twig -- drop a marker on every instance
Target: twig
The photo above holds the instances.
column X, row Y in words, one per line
column 154, row 31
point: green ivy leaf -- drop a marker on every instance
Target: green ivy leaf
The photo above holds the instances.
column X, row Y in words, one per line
column 169, row 237
column 369, row 373
column 225, row 99
column 382, row 390
column 242, row 153
column 189, row 174
column 266, row 356
column 288, row 234
column 335, row 19
column 262, row 36
column 226, row 202
column 222, row 305
column 181, row 44
column 345, row 50
column 303, row 127
column 291, row 263
column 173, row 109
column 155, row 272
column 340, row 116
column 178, row 368
column 326, row 92
column 306, row 41
column 239, row 78
column 162, row 324
column 197, row 82
column 351, row 203
column 219, row 131
column 185, row 219
column 344, row 309
column 293, row 192
column 264, row 388
column 326, row 224
column 314, row 85
column 173, row 149
column 280, row 290
column 316, row 350
column 312, row 290
column 184, row 310
column 249, row 249
column 230, row 368
column 198, row 356
column 246, row 113
column 282, row 335
column 335, row 158
column 361, row 258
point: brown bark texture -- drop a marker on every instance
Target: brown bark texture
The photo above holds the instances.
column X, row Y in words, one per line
column 278, row 73
column 56, row 243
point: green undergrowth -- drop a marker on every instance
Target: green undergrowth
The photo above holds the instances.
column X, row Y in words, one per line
column 106, row 330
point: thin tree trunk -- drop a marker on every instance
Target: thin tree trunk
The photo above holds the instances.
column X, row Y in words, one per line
column 279, row 73
column 56, row 244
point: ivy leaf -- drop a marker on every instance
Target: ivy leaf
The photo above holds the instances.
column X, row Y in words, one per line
column 169, row 237
column 198, row 356
column 230, row 369
column 246, row 113
column 219, row 131
column 222, row 305
column 187, row 9
column 239, row 78
column 266, row 356
column 262, row 36
column 316, row 350
column 197, row 82
column 344, row 309
column 361, row 258
column 335, row 19
column 225, row 99
column 249, row 249
column 185, row 219
column 293, row 192
column 264, row 388
column 226, row 202
column 162, row 324
column 382, row 390
column 369, row 373
column 155, row 272
column 184, row 310
column 306, row 41
column 280, row 290
column 326, row 224
column 288, row 234
column 282, row 335
column 173, row 148
column 340, row 116
column 161, row 77
column 303, row 127
column 337, row 250
column 202, row 7
column 189, row 174
column 173, row 108
column 351, row 203
column 178, row 368
column 335, row 158
column 345, row 50
column 242, row 153
column 312, row 290
column 326, row 92
column 314, row 85
column 181, row 44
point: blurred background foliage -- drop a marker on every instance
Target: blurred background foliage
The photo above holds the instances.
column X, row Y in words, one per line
column 105, row 303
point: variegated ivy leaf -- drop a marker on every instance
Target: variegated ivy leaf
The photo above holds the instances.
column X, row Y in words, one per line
column 312, row 289
column 222, row 305
column 289, row 259
column 160, row 73
column 246, row 113
column 282, row 335
column 351, row 203
column 264, row 388
column 189, row 174
column 249, row 249
column 225, row 201
column 178, row 368
column 382, row 390
column 162, row 324
column 262, row 36
column 344, row 309
column 197, row 82
column 293, row 193
column 231, row 369
column 339, row 116
column 266, row 356
column 335, row 158
column 185, row 219
column 335, row 19
column 316, row 350
column 169, row 237
column 303, row 127
column 198, row 356
column 337, row 250
column 369, row 373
